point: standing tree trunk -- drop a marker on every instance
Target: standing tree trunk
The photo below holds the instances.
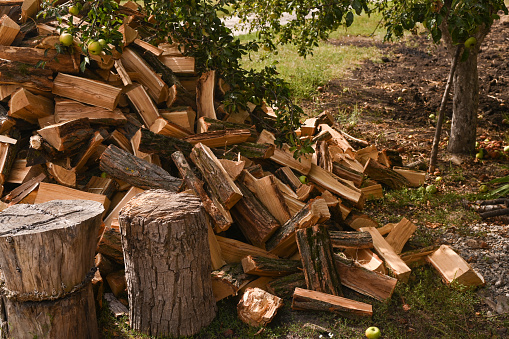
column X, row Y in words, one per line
column 167, row 261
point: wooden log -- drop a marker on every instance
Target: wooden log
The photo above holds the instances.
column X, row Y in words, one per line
column 71, row 317
column 66, row 110
column 221, row 217
column 415, row 178
column 233, row 251
column 269, row 267
column 267, row 191
column 66, row 63
column 285, row 286
column 156, row 87
column 348, row 173
column 220, row 183
column 317, row 260
column 282, row 243
column 110, row 245
column 164, row 127
column 8, row 30
column 62, row 234
column 307, row 191
column 81, row 159
column 162, row 145
column 7, row 90
column 143, row 104
column 233, row 168
column 398, row 237
column 20, row 192
column 248, row 150
column 30, row 77
column 100, row 185
column 67, row 135
column 373, row 192
column 182, row 116
column 343, row 239
column 87, row 91
column 397, row 266
column 181, row 244
column 30, row 107
column 49, row 192
column 229, row 280
column 8, row 151
column 419, row 256
column 286, row 175
column 328, row 181
column 205, row 95
column 253, row 219
column 366, row 258
column 205, row 124
column 220, row 138
column 385, row 175
column 453, row 268
column 257, row 307
column 116, row 307
column 117, row 283
column 98, row 290
column 317, row 301
column 62, row 175
column 179, row 64
column 364, row 281
column 138, row 172
column 148, row 47
column 357, row 220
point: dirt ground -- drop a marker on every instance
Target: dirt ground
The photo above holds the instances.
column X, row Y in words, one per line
column 396, row 96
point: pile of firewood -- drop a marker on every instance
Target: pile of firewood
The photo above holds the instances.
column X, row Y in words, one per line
column 144, row 119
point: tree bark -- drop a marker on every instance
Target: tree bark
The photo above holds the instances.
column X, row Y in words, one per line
column 48, row 249
column 167, row 260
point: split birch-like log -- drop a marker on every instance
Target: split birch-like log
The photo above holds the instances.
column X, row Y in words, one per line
column 257, row 307
column 317, row 260
column 39, row 240
column 317, row 301
column 162, row 301
column 138, row 172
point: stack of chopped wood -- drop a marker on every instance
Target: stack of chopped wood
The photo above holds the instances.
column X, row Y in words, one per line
column 145, row 119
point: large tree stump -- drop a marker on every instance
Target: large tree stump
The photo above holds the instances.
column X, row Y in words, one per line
column 48, row 249
column 167, row 261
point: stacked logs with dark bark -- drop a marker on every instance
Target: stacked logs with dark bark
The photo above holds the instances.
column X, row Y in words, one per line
column 146, row 119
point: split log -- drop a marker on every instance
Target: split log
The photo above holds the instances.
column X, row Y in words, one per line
column 117, row 282
column 253, row 219
column 30, row 77
column 8, row 30
column 20, row 192
column 233, row 168
column 453, row 268
column 80, row 160
column 205, row 95
column 110, row 245
column 115, row 208
column 348, row 173
column 398, row 237
column 342, row 239
column 206, row 124
column 66, row 110
column 220, row 138
column 229, row 280
column 164, row 127
column 373, row 192
column 317, row 260
column 220, row 183
column 39, row 240
column 248, row 150
column 269, row 267
column 419, row 256
column 67, row 135
column 100, row 185
column 366, row 258
column 71, row 317
column 138, row 172
column 286, row 175
column 317, row 301
column 357, row 220
column 415, row 178
column 179, row 64
column 53, row 60
column 257, row 307
column 8, row 152
column 143, row 104
column 385, row 175
column 182, row 116
column 116, row 307
column 221, row 217
column 364, row 281
column 181, row 245
column 233, row 251
column 62, row 175
column 49, row 192
column 88, row 91
column 162, row 145
column 30, row 107
column 282, row 243
column 156, row 87
column 285, row 286
column 397, row 266
column 148, row 47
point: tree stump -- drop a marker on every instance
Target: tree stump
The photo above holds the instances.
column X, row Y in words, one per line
column 47, row 259
column 167, row 261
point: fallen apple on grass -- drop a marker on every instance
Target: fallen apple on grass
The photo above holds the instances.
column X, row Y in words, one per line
column 373, row 332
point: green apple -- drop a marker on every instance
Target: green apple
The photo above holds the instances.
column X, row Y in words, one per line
column 432, row 116
column 483, row 189
column 94, row 48
column 479, row 155
column 74, row 10
column 470, row 42
column 373, row 332
column 400, row 99
column 102, row 42
column 438, row 179
column 303, row 179
column 506, row 149
column 432, row 189
column 66, row 39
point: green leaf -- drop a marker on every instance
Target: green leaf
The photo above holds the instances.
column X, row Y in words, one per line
column 349, row 19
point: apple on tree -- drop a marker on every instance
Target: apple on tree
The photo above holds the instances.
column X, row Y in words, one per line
column 373, row 332
column 94, row 48
column 66, row 39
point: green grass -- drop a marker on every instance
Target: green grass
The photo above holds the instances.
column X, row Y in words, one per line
column 327, row 62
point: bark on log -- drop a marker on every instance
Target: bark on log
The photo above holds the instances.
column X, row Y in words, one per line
column 270, row 267
column 135, row 171
column 385, row 175
column 48, row 249
column 71, row 317
column 19, row 74
column 162, row 145
column 167, row 260
column 318, row 261
column 344, row 239
column 285, row 286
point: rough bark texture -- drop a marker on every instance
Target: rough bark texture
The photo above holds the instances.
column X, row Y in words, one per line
column 285, row 286
column 162, row 145
column 137, row 172
column 70, row 317
column 48, row 249
column 270, row 267
column 317, row 260
column 167, row 261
